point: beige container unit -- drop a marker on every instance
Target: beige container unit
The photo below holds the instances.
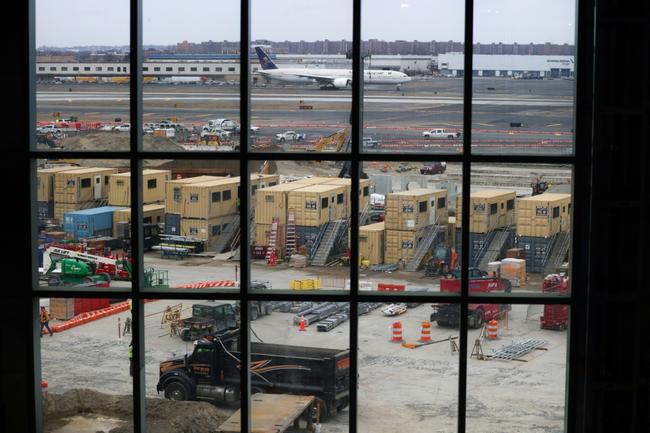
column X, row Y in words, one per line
column 489, row 209
column 399, row 244
column 364, row 190
column 153, row 187
column 543, row 215
column 45, row 182
column 208, row 230
column 211, row 199
column 173, row 191
column 417, row 208
column 82, row 185
column 263, row 181
column 371, row 243
column 272, row 202
column 60, row 209
column 151, row 214
column 315, row 205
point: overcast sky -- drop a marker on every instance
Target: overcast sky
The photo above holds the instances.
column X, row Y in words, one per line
column 98, row 22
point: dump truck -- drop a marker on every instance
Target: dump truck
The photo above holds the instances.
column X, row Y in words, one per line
column 479, row 282
column 207, row 319
column 212, row 372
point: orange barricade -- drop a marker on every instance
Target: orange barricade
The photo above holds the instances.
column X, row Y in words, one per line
column 385, row 287
column 396, row 334
column 425, row 332
column 492, row 328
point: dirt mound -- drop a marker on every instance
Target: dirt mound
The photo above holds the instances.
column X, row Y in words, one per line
column 110, row 141
column 162, row 415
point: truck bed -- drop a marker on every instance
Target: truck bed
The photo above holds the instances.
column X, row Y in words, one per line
column 294, row 351
column 270, row 413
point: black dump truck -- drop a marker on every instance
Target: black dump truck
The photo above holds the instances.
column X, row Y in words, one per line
column 212, row 372
column 207, row 319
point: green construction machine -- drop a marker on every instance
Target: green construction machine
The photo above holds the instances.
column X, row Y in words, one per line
column 68, row 271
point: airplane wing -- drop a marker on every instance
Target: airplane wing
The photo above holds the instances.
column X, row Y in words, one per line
column 319, row 77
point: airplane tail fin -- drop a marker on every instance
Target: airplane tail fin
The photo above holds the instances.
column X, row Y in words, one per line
column 265, row 60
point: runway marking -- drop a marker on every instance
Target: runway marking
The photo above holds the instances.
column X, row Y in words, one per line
column 553, row 124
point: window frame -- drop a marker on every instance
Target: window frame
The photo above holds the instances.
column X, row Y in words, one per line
column 579, row 159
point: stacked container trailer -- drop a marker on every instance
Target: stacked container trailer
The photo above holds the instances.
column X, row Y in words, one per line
column 81, row 188
column 316, row 205
column 45, row 188
column 153, row 187
column 151, row 214
column 489, row 209
column 415, row 209
column 174, row 193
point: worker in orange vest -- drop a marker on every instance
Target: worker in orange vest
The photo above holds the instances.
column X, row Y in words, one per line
column 45, row 321
column 454, row 257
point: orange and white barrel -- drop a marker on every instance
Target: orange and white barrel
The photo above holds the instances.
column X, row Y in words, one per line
column 425, row 332
column 492, row 328
column 396, row 333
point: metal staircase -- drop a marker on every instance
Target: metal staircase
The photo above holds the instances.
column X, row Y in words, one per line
column 558, row 252
column 364, row 215
column 495, row 248
column 324, row 248
column 430, row 233
column 228, row 235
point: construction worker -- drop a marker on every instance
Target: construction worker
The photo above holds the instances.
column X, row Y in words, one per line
column 127, row 326
column 45, row 321
column 130, row 354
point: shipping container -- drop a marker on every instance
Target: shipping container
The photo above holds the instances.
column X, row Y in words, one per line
column 45, row 209
column 414, row 209
column 263, row 181
column 151, row 214
column 45, row 182
column 89, row 222
column 208, row 230
column 316, row 205
column 480, row 244
column 60, row 209
column 371, row 243
column 272, row 201
column 153, row 187
column 536, row 250
column 173, row 191
column 399, row 245
column 212, row 199
column 489, row 209
column 543, row 215
column 364, row 190
column 173, row 224
column 82, row 185
column 67, row 308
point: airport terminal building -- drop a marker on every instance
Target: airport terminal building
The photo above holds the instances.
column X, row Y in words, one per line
column 509, row 65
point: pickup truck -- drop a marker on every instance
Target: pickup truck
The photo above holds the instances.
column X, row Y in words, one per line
column 289, row 136
column 212, row 372
column 433, row 168
column 55, row 130
column 370, row 143
column 440, row 133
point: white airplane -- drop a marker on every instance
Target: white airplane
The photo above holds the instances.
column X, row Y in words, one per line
column 327, row 78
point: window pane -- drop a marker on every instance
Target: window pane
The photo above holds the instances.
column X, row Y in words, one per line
column 520, row 229
column 82, row 103
column 300, row 364
column 191, row 75
column 412, row 100
column 185, row 364
column 408, row 371
column 521, row 372
column 85, row 380
column 524, row 71
column 407, row 226
column 299, row 231
column 292, row 68
column 77, row 203
column 191, row 240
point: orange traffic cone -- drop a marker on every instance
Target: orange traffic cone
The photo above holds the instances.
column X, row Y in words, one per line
column 492, row 328
column 396, row 334
column 425, row 332
column 302, row 324
column 273, row 258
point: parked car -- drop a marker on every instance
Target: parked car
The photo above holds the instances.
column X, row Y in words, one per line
column 289, row 136
column 124, row 127
column 55, row 130
column 433, row 167
column 440, row 133
column 370, row 143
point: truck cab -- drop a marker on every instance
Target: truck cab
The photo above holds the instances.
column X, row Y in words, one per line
column 207, row 319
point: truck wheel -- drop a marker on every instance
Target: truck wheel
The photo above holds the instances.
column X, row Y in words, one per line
column 319, row 412
column 54, row 280
column 185, row 334
column 176, row 391
column 477, row 319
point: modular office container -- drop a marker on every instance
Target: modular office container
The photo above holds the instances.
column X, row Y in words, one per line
column 364, row 190
column 543, row 215
column 151, row 214
column 272, row 202
column 153, row 187
column 208, row 230
column 173, row 192
column 316, row 205
column 489, row 209
column 537, row 251
column 45, row 182
column 89, row 222
column 415, row 209
column 212, row 199
column 82, row 185
column 371, row 243
column 263, row 181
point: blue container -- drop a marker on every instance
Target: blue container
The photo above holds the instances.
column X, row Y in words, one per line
column 536, row 251
column 45, row 209
column 89, row 223
column 173, row 224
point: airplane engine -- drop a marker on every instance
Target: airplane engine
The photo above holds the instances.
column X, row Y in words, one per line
column 341, row 83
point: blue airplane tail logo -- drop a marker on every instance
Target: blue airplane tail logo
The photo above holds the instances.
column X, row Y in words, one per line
column 265, row 60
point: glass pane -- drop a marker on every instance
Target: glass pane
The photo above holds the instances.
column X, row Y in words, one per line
column 191, row 378
column 517, row 363
column 299, row 225
column 413, row 101
column 82, row 75
column 524, row 71
column 77, row 246
column 85, row 380
column 407, row 224
column 300, row 365
column 520, row 229
column 191, row 75
column 292, row 68
column 190, row 217
column 408, row 372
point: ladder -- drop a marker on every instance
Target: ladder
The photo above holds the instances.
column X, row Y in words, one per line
column 430, row 234
column 272, row 238
column 291, row 235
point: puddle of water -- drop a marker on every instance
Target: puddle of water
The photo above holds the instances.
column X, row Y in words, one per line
column 89, row 423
